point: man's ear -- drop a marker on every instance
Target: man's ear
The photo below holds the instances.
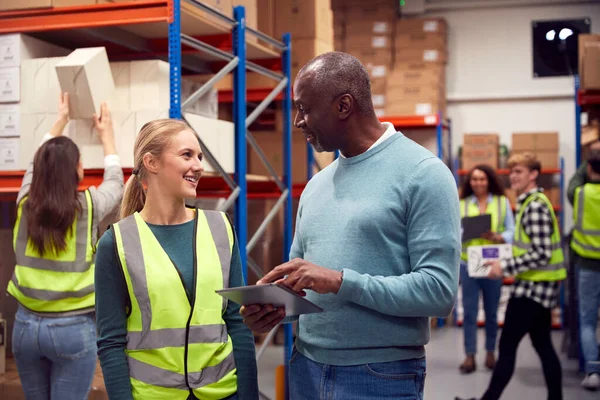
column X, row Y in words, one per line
column 345, row 106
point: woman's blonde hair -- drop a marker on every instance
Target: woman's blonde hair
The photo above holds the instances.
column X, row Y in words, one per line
column 154, row 138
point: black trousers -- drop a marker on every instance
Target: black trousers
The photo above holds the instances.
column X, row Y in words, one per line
column 525, row 316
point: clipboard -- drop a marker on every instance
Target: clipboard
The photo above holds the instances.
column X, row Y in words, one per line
column 474, row 227
column 271, row 293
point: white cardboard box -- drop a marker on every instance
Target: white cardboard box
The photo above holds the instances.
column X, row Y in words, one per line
column 40, row 88
column 144, row 116
column 10, row 117
column 9, row 154
column 16, row 47
column 121, row 72
column 10, row 85
column 218, row 136
column 33, row 128
column 53, row 89
column 85, row 74
column 479, row 255
column 125, row 134
column 149, row 85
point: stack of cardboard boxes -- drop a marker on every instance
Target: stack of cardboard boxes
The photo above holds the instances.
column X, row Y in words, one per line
column 480, row 149
column 543, row 145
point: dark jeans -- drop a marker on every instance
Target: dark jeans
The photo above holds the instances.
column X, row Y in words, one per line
column 525, row 316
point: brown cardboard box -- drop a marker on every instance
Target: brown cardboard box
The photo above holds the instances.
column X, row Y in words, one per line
column 71, row 3
column 481, row 139
column 429, row 92
column 474, row 155
column 6, row 5
column 368, row 26
column 425, row 55
column 590, row 70
column 415, row 25
column 370, row 56
column 535, row 141
column 266, row 17
column 583, row 40
column 251, row 12
column 548, row 158
column 369, row 41
column 431, row 74
column 412, row 107
column 553, row 194
column 590, row 133
column 511, row 195
column 304, row 50
column 304, row 19
column 338, row 44
column 366, row 14
column 421, row 40
column 378, row 85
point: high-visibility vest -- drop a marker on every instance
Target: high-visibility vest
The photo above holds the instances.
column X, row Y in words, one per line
column 175, row 348
column 555, row 269
column 586, row 213
column 497, row 209
column 58, row 283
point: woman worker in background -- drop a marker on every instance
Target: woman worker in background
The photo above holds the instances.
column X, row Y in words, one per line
column 54, row 336
column 163, row 331
column 482, row 193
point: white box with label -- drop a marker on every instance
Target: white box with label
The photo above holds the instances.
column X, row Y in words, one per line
column 16, row 47
column 149, row 85
column 10, row 117
column 86, row 75
column 121, row 72
column 10, row 85
column 478, row 256
column 9, row 154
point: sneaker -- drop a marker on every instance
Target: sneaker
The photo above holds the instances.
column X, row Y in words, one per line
column 591, row 382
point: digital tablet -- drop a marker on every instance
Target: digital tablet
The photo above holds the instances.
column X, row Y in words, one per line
column 271, row 293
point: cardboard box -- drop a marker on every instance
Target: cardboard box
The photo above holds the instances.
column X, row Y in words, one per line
column 430, row 93
column 407, row 107
column 7, row 5
column 304, row 50
column 371, row 56
column 535, row 141
column 553, row 194
column 475, row 155
column 121, row 72
column 223, row 6
column 251, row 12
column 218, row 137
column 10, row 85
column 548, row 158
column 85, row 74
column 590, row 133
column 9, row 154
column 369, row 41
column 125, row 134
column 479, row 255
column 582, row 41
column 511, row 195
column 144, row 116
column 33, row 128
column 34, row 86
column 432, row 74
column 71, row 3
column 427, row 55
column 421, row 40
column 10, row 120
column 149, row 85
column 304, row 19
column 266, row 17
column 590, row 68
column 481, row 139
column 16, row 47
column 419, row 25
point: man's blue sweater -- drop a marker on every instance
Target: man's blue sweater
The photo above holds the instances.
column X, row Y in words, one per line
column 389, row 219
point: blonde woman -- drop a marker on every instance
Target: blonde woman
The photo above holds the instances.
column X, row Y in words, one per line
column 163, row 331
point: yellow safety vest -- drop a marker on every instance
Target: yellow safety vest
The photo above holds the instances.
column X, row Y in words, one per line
column 175, row 348
column 586, row 213
column 55, row 283
column 555, row 269
column 497, row 209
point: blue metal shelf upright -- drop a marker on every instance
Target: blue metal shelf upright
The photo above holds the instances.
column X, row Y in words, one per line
column 237, row 64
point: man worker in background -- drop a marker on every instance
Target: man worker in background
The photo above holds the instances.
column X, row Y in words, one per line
column 581, row 176
column 585, row 244
column 538, row 267
column 377, row 246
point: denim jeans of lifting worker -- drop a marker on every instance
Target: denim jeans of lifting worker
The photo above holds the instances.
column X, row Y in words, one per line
column 56, row 357
column 398, row 380
column 589, row 303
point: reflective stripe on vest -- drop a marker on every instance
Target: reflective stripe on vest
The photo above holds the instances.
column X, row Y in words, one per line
column 58, row 283
column 160, row 325
column 586, row 233
column 555, row 269
column 497, row 209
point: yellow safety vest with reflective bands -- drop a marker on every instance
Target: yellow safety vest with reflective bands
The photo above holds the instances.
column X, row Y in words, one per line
column 586, row 213
column 55, row 283
column 497, row 209
column 175, row 347
column 555, row 269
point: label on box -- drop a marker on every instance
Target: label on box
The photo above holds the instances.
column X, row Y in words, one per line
column 430, row 55
column 378, row 71
column 10, row 118
column 431, row 120
column 380, row 27
column 378, row 100
column 430, row 26
column 9, row 51
column 379, row 42
column 423, row 109
column 9, row 85
column 9, row 153
column 478, row 256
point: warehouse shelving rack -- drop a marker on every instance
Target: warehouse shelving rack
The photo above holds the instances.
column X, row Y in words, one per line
column 192, row 28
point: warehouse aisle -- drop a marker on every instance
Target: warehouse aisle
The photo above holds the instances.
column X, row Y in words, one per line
column 445, row 352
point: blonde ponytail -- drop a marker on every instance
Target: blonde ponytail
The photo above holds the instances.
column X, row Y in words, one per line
column 153, row 138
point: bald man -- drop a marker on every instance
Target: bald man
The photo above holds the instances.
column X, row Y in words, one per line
column 377, row 246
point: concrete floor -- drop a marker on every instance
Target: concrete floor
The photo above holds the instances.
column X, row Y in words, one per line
column 444, row 382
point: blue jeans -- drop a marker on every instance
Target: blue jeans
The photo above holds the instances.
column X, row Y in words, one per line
column 398, row 380
column 589, row 303
column 56, row 357
column 490, row 289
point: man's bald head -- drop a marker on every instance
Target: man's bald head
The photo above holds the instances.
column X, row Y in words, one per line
column 337, row 73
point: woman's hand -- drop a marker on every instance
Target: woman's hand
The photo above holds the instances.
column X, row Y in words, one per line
column 493, row 237
column 104, row 126
column 63, row 115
